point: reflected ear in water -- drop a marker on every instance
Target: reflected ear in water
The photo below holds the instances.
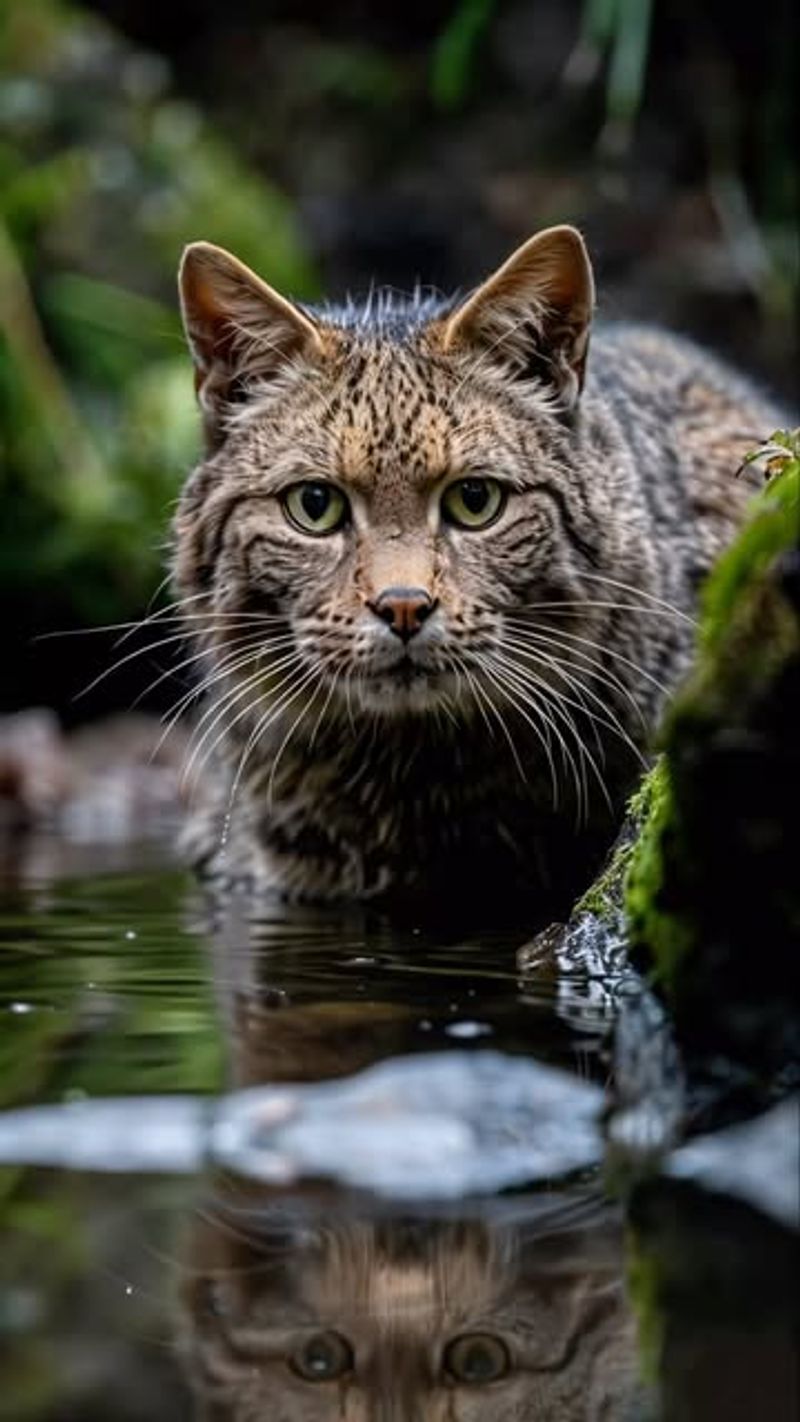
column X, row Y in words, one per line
column 518, row 1313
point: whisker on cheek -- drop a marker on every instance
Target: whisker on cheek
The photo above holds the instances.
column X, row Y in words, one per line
column 232, row 698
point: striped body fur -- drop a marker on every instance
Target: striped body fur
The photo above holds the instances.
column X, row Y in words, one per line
column 441, row 569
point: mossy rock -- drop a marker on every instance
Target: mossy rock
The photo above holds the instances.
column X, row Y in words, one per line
column 712, row 891
column 595, row 937
column 702, row 887
column 713, row 1284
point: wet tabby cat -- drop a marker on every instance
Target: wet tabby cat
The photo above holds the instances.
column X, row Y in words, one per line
column 441, row 570
column 408, row 1320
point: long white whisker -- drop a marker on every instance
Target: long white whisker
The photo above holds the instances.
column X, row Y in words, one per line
column 524, row 672
column 130, row 657
column 252, row 642
column 556, row 701
column 348, row 680
column 605, row 651
column 462, row 668
column 491, row 669
column 274, row 709
column 528, row 683
column 230, row 699
column 318, row 674
column 150, row 647
column 575, row 606
column 236, row 659
column 179, row 618
column 641, row 592
column 324, row 707
column 609, row 719
column 591, row 665
column 162, row 612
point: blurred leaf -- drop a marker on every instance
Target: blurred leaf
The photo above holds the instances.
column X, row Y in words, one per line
column 455, row 50
column 628, row 59
column 105, row 332
column 360, row 73
column 103, row 178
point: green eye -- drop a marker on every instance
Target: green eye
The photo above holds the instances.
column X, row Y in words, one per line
column 316, row 507
column 323, row 1358
column 473, row 503
column 477, row 1359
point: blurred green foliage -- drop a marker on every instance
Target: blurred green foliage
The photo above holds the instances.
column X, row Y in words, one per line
column 456, row 49
column 103, row 177
column 412, row 149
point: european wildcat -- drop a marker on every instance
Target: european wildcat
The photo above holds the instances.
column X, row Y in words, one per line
column 443, row 569
column 313, row 1319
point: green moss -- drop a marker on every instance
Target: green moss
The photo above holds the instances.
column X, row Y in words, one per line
column 605, row 896
column 644, row 1282
column 646, row 885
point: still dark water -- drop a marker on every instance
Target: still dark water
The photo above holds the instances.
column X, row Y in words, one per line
column 585, row 1293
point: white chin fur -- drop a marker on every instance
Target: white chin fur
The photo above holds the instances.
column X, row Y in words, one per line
column 390, row 696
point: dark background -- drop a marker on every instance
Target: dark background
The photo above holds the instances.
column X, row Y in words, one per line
column 327, row 145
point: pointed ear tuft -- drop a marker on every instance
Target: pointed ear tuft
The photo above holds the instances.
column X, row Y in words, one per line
column 239, row 330
column 533, row 315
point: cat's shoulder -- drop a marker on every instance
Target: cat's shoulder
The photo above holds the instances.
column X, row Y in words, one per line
column 653, row 367
column 651, row 350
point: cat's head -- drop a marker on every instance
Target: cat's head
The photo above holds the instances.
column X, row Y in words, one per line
column 407, row 1321
column 387, row 487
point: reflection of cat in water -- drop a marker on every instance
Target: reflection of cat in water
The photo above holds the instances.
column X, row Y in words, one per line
column 296, row 1311
column 408, row 1320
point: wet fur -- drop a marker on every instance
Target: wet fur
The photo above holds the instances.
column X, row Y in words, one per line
column 367, row 784
column 398, row 1291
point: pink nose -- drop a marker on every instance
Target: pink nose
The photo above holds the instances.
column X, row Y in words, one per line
column 403, row 609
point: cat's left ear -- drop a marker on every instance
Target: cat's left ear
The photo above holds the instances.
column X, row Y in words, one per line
column 533, row 315
column 240, row 331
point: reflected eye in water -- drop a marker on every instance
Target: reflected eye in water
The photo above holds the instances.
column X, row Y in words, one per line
column 323, row 1358
column 477, row 1359
column 316, row 507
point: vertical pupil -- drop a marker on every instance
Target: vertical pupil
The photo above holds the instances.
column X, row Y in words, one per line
column 478, row 1364
column 474, row 494
column 315, row 500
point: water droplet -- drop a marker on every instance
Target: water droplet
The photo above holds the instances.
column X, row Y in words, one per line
column 425, row 1025
column 20, row 1008
column 130, row 933
column 468, row 1029
column 129, row 1289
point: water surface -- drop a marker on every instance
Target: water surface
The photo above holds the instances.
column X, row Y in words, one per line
column 155, row 1296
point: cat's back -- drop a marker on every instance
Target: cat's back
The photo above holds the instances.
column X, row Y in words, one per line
column 688, row 419
column 649, row 374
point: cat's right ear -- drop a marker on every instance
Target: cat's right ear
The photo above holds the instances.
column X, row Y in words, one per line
column 240, row 331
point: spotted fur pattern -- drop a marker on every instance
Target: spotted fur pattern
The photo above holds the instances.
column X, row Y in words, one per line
column 396, row 1296
column 490, row 754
